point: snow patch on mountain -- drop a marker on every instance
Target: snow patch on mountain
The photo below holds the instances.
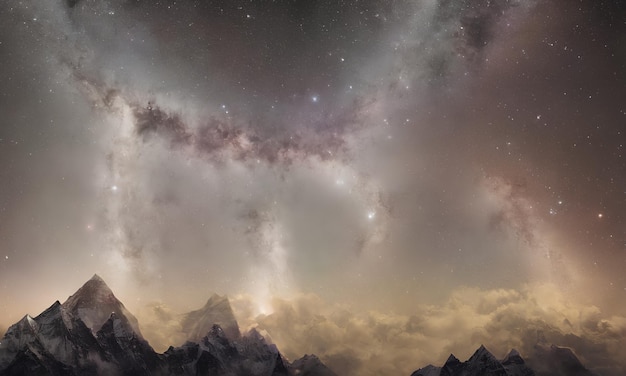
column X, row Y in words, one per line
column 94, row 302
column 217, row 310
column 59, row 342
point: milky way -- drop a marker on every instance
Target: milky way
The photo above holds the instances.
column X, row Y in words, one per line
column 380, row 183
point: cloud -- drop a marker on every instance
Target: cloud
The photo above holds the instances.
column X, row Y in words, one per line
column 161, row 325
column 373, row 343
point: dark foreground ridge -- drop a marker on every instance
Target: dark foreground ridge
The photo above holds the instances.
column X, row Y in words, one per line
column 92, row 333
column 548, row 360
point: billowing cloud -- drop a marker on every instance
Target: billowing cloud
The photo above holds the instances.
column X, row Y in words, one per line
column 162, row 325
column 363, row 343
column 373, row 343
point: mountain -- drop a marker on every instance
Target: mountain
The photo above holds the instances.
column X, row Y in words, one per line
column 92, row 333
column 310, row 365
column 514, row 364
column 131, row 354
column 552, row 360
column 481, row 363
column 217, row 310
column 94, row 302
column 547, row 360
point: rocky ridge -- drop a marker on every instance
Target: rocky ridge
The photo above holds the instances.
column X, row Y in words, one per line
column 92, row 333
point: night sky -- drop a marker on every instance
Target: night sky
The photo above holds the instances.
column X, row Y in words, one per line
column 377, row 182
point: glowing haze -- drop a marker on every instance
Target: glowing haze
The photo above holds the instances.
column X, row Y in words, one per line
column 379, row 183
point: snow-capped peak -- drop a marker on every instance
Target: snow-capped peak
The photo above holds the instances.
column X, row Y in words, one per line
column 63, row 340
column 27, row 323
column 217, row 310
column 94, row 302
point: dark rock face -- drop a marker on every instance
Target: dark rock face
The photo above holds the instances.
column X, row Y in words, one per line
column 132, row 354
column 34, row 360
column 60, row 342
column 547, row 360
column 551, row 360
column 481, row 363
column 53, row 341
column 514, row 364
column 311, row 365
column 452, row 366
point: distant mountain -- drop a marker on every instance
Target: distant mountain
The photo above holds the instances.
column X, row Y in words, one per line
column 549, row 360
column 217, row 310
column 481, row 363
column 311, row 365
column 92, row 333
column 552, row 360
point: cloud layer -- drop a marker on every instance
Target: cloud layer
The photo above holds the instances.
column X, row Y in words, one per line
column 374, row 343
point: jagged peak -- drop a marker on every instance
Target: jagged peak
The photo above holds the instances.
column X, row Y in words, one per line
column 54, row 305
column 513, row 357
column 217, row 310
column 254, row 336
column 482, row 352
column 310, row 356
column 483, row 349
column 26, row 319
column 25, row 322
column 94, row 291
column 217, row 298
column 53, row 314
column 452, row 365
column 564, row 353
column 514, row 352
column 53, row 310
column 452, row 359
column 94, row 302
